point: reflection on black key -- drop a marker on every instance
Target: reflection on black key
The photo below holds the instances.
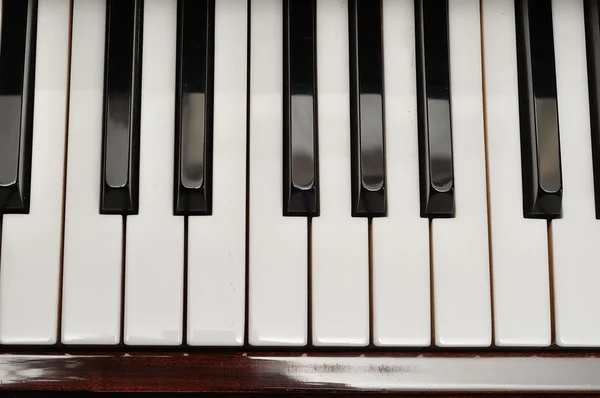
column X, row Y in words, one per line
column 433, row 93
column 194, row 118
column 17, row 71
column 300, row 186
column 366, row 105
column 540, row 144
column 122, row 95
column 592, row 33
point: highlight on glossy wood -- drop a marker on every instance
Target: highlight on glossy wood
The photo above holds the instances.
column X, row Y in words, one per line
column 264, row 372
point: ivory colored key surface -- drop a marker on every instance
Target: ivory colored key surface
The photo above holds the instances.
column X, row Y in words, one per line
column 217, row 243
column 340, row 262
column 91, row 300
column 31, row 243
column 575, row 236
column 401, row 300
column 461, row 282
column 154, row 254
column 518, row 245
column 278, row 273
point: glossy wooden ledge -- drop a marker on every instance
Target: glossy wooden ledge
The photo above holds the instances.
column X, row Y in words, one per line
column 228, row 372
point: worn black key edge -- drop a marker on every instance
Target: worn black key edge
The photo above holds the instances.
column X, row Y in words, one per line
column 436, row 170
column 592, row 34
column 300, row 174
column 120, row 194
column 194, row 196
column 538, row 111
column 367, row 150
column 15, row 198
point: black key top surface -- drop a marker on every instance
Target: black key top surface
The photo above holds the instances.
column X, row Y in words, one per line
column 17, row 73
column 592, row 33
column 300, row 176
column 194, row 107
column 540, row 142
column 122, row 97
column 366, row 101
column 433, row 102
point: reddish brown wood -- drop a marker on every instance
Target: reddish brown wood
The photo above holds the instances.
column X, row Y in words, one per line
column 225, row 372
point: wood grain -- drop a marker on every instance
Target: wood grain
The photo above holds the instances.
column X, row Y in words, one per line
column 255, row 372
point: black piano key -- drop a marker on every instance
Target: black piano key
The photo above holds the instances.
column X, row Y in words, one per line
column 17, row 75
column 592, row 33
column 366, row 105
column 122, row 97
column 194, row 107
column 436, row 169
column 300, row 176
column 540, row 142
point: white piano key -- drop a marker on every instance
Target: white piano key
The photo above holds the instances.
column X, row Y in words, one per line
column 340, row 243
column 401, row 295
column 31, row 243
column 278, row 245
column 575, row 236
column 460, row 256
column 519, row 246
column 91, row 312
column 155, row 237
column 217, row 244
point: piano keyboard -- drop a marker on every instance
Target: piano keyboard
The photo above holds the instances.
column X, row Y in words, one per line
column 393, row 173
